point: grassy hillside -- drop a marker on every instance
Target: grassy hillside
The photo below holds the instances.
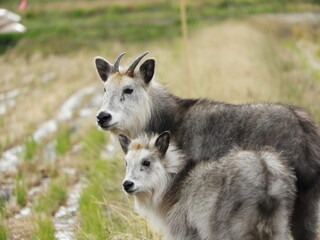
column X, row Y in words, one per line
column 68, row 26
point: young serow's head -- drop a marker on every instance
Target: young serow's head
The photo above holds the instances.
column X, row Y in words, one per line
column 126, row 103
column 147, row 166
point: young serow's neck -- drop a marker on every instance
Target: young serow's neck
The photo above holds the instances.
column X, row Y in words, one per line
column 160, row 199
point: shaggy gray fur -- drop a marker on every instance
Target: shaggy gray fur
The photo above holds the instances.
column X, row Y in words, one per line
column 245, row 195
column 205, row 130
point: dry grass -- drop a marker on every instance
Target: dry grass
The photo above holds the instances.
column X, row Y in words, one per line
column 227, row 64
column 293, row 60
column 44, row 94
column 21, row 229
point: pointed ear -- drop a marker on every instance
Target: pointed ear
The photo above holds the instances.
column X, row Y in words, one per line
column 162, row 142
column 147, row 70
column 124, row 142
column 103, row 68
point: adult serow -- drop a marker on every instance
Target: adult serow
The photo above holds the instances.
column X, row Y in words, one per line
column 206, row 129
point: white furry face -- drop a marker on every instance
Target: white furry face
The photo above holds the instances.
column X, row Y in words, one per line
column 145, row 170
column 126, row 100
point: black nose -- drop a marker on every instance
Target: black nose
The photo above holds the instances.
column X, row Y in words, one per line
column 127, row 185
column 103, row 117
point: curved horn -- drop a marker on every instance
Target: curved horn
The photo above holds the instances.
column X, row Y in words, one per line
column 116, row 64
column 130, row 70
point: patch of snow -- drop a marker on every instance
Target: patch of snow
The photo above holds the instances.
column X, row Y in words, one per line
column 23, row 213
column 66, row 219
column 85, row 112
column 72, row 103
column 49, row 152
column 13, row 94
column 7, row 104
column 3, row 109
column 38, row 189
column 69, row 171
column 65, row 113
column 8, row 99
column 45, row 129
column 10, row 159
column 92, row 105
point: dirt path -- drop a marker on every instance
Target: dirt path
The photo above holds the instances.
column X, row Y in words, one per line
column 66, row 222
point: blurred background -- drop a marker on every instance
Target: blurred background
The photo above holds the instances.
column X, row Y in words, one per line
column 60, row 176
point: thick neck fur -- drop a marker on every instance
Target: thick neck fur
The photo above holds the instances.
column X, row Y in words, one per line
column 166, row 109
column 164, row 106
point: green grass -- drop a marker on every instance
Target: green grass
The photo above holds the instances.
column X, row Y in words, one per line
column 105, row 212
column 63, row 144
column 2, row 207
column 21, row 190
column 93, row 142
column 92, row 218
column 44, row 229
column 100, row 217
column 68, row 30
column 51, row 201
column 92, row 221
column 3, row 231
column 30, row 148
column 9, row 40
column 318, row 54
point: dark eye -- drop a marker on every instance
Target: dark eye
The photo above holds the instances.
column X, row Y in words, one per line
column 146, row 163
column 128, row 91
column 104, row 90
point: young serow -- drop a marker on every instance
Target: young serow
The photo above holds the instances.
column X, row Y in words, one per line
column 246, row 195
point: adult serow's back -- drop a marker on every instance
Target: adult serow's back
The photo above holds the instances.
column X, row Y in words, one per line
column 205, row 129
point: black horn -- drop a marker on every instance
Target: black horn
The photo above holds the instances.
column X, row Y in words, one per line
column 130, row 70
column 116, row 64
